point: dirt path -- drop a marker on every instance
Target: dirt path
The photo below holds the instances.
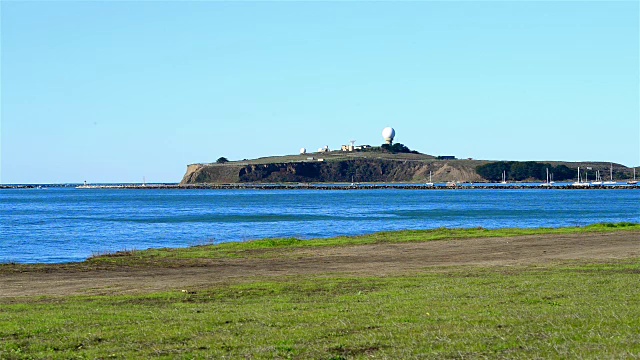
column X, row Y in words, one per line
column 373, row 260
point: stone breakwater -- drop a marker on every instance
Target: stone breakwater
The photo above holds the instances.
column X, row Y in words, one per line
column 242, row 186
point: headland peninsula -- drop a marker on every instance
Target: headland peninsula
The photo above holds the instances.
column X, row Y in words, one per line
column 390, row 165
column 386, row 167
column 397, row 163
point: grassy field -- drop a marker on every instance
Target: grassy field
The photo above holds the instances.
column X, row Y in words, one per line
column 568, row 309
column 562, row 311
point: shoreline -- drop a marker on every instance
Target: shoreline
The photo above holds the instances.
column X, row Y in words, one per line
column 168, row 269
column 224, row 250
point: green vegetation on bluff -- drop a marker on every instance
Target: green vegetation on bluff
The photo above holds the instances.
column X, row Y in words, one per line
column 523, row 170
column 396, row 148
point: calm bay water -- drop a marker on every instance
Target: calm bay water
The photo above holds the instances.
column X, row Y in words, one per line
column 62, row 225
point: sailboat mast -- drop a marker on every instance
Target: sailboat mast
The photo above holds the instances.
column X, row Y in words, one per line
column 578, row 174
column 611, row 171
column 547, row 175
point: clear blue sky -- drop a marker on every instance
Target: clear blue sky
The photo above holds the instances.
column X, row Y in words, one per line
column 114, row 91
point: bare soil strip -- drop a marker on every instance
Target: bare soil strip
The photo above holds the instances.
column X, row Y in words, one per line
column 361, row 260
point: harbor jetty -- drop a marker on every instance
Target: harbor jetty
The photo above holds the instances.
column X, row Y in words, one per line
column 338, row 186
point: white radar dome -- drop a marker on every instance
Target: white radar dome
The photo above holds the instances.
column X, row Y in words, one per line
column 388, row 134
column 303, row 151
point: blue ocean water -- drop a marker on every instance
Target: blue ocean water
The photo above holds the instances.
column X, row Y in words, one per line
column 59, row 225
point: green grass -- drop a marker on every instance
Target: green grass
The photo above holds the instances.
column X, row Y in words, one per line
column 572, row 309
column 567, row 310
column 249, row 248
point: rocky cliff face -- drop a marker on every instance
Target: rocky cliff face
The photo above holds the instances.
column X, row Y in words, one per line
column 359, row 170
column 217, row 174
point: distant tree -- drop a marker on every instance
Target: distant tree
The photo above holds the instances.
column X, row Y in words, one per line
column 400, row 148
column 397, row 148
column 493, row 171
column 518, row 171
column 222, row 160
column 562, row 172
column 527, row 169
